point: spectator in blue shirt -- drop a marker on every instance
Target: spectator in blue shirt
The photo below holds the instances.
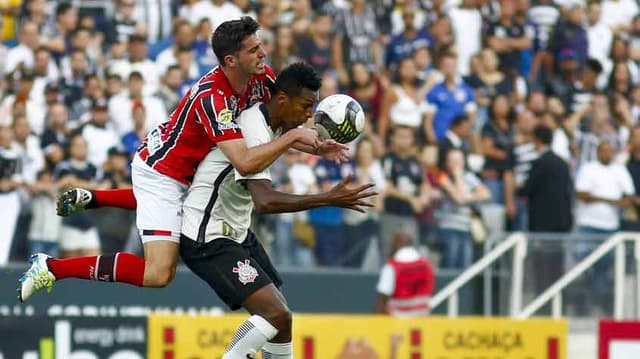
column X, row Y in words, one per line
column 448, row 99
column 570, row 34
column 408, row 41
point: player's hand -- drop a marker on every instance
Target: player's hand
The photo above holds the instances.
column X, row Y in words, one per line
column 306, row 136
column 352, row 198
column 333, row 151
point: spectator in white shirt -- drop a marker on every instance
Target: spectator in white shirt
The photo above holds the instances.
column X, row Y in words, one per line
column 22, row 55
column 98, row 136
column 138, row 61
column 45, row 71
column 599, row 34
column 10, row 181
column 617, row 14
column 467, row 27
column 120, row 107
column 218, row 11
column 28, row 147
column 602, row 188
column 35, row 112
column 183, row 40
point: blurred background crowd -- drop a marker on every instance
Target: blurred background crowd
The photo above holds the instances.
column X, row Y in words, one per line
column 482, row 115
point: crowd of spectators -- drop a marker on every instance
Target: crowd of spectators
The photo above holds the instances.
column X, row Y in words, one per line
column 461, row 99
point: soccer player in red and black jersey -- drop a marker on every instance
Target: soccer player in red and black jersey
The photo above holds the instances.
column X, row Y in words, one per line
column 166, row 161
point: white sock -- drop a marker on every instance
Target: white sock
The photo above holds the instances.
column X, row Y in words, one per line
column 277, row 351
column 250, row 337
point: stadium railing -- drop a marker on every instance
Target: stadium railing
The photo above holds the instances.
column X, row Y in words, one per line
column 616, row 241
column 516, row 241
column 496, row 253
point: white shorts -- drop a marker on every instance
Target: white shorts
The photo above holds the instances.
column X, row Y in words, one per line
column 73, row 239
column 159, row 197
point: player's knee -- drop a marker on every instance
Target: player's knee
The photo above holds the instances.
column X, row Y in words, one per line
column 280, row 317
column 160, row 277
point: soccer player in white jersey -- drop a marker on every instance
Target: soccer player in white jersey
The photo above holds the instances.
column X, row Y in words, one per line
column 165, row 162
column 216, row 243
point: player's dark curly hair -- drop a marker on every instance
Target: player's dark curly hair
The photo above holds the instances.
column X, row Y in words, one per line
column 295, row 77
column 228, row 37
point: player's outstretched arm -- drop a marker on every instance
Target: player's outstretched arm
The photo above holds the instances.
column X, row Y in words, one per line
column 255, row 159
column 268, row 200
column 328, row 149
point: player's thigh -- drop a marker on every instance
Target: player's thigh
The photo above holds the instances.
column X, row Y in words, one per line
column 161, row 254
column 227, row 267
column 257, row 252
column 159, row 210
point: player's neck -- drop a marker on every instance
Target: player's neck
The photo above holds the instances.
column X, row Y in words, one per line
column 237, row 80
column 274, row 122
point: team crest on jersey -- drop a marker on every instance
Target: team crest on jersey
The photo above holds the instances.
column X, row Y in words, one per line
column 154, row 141
column 246, row 273
column 225, row 117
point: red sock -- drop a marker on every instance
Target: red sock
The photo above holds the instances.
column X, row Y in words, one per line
column 120, row 267
column 120, row 198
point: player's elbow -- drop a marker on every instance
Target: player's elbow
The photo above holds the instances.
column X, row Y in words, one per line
column 244, row 169
column 262, row 205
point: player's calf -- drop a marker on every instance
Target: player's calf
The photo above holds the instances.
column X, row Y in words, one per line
column 268, row 329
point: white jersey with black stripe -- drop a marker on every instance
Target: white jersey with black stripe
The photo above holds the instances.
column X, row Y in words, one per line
column 218, row 205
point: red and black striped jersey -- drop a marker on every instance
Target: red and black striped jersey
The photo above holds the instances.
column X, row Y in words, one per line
column 205, row 116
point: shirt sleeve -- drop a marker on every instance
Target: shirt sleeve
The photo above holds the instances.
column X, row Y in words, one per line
column 255, row 134
column 387, row 281
column 213, row 113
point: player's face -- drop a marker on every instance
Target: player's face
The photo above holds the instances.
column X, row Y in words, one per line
column 251, row 56
column 297, row 110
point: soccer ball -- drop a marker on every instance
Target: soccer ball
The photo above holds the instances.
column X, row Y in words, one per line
column 339, row 117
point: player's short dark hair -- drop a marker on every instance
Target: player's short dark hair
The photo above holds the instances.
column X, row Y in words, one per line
column 543, row 134
column 227, row 38
column 295, row 77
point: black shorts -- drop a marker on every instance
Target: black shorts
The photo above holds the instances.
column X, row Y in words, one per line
column 234, row 270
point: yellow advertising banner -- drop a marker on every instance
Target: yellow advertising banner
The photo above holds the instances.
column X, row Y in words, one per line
column 324, row 336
